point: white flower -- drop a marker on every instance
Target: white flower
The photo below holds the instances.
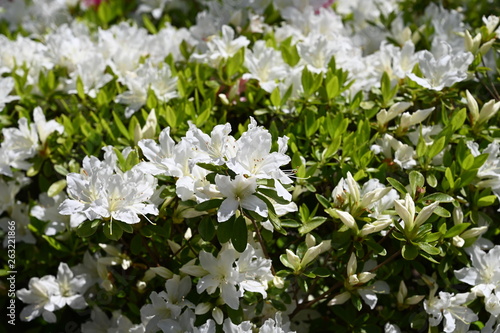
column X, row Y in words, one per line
column 221, row 275
column 244, row 327
column 6, row 86
column 40, row 297
column 224, row 47
column 19, row 214
column 48, row 210
column 406, row 210
column 238, row 192
column 484, row 275
column 451, row 308
column 383, row 116
column 443, row 68
column 147, row 76
column 100, row 323
column 168, row 303
column 275, row 325
column 266, row 65
column 91, row 73
column 99, row 192
column 316, row 52
column 71, row 288
column 408, row 120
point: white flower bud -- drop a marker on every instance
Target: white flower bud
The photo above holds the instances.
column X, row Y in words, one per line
column 458, row 215
column 310, row 240
column 472, row 44
column 353, row 279
column 278, row 282
column 202, row 308
column 402, row 293
column 474, row 232
column 340, row 298
column 486, row 47
column 352, row 265
column 458, row 241
column 473, row 107
column 414, row 299
column 365, row 277
column 218, row 315
column 488, row 110
column 293, row 259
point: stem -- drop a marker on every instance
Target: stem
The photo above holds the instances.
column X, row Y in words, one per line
column 337, row 285
column 261, row 240
column 386, row 261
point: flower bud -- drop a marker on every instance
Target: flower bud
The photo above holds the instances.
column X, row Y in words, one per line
column 473, row 107
column 340, row 298
column 278, row 282
column 202, row 308
column 310, row 240
column 458, row 215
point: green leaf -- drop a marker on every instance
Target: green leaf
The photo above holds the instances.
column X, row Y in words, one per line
column 136, row 245
column 449, row 177
column 87, row 228
column 56, row 244
column 273, row 195
column 203, row 117
column 112, row 230
column 56, row 188
column 397, row 185
column 431, row 180
column 239, row 236
column 321, row 271
column 458, row 119
column 456, row 230
column 377, row 248
column 132, row 160
column 224, row 230
column 440, row 211
column 409, row 251
column 332, row 87
column 323, row 201
column 123, row 130
column 128, row 228
column 275, row 97
column 209, row 204
column 79, row 88
column 171, row 117
column 61, row 170
column 312, row 224
column 486, row 201
column 436, row 147
column 416, row 181
column 441, row 197
column 206, row 229
column 429, row 248
column 468, row 162
column 149, row 25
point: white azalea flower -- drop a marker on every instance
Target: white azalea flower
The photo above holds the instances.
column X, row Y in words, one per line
column 168, row 303
column 484, row 275
column 40, row 297
column 443, row 68
column 6, row 86
column 224, row 47
column 451, row 308
column 99, row 192
column 238, row 192
column 221, row 275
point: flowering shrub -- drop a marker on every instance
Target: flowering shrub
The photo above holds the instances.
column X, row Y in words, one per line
column 254, row 166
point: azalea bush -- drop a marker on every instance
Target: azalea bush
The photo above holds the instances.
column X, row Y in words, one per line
column 254, row 166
